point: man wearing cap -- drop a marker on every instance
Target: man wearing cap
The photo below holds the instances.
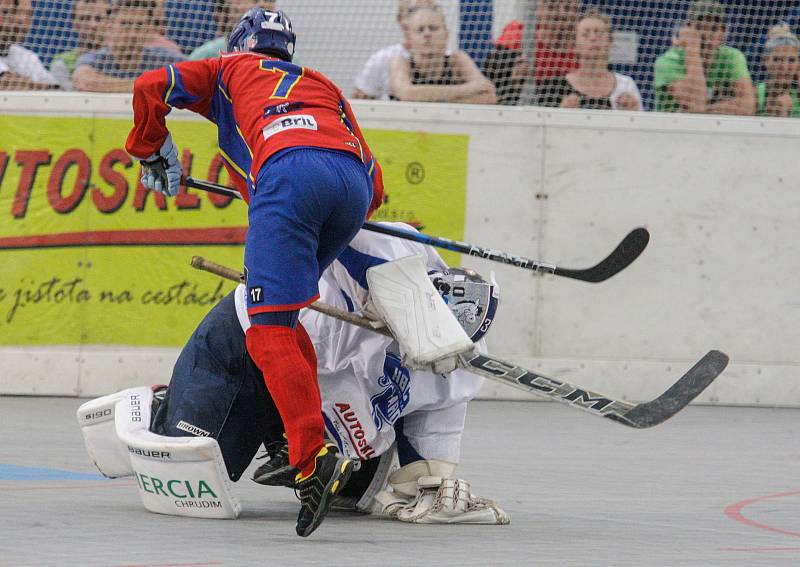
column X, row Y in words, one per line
column 699, row 73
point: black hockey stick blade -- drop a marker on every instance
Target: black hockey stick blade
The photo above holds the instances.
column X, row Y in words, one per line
column 623, row 256
column 679, row 395
column 639, row 416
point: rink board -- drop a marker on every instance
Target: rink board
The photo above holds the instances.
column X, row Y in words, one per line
column 717, row 194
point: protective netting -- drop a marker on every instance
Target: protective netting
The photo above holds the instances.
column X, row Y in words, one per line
column 732, row 57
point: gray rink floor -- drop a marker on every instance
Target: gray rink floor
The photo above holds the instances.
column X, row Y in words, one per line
column 713, row 486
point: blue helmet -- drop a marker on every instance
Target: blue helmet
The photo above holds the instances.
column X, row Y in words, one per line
column 263, row 31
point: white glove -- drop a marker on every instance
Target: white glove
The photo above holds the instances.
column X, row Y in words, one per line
column 162, row 171
column 449, row 501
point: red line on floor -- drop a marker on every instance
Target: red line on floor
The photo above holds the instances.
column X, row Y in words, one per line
column 171, row 564
column 759, row 549
column 735, row 512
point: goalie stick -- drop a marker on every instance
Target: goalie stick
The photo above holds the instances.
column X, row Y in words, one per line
column 639, row 416
column 623, row 255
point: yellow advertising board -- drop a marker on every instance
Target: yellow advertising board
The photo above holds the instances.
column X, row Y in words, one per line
column 88, row 256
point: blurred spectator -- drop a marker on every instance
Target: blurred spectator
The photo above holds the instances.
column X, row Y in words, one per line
column 89, row 19
column 778, row 95
column 20, row 68
column 592, row 85
column 553, row 57
column 373, row 80
column 158, row 35
column 431, row 73
column 226, row 15
column 700, row 73
column 115, row 67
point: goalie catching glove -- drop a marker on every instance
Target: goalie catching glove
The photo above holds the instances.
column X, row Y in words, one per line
column 161, row 171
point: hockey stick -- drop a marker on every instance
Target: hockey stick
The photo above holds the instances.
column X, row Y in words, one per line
column 639, row 416
column 623, row 255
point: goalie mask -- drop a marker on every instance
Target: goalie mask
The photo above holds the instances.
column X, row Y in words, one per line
column 472, row 299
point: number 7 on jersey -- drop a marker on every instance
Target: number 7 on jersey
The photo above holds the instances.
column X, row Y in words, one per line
column 290, row 76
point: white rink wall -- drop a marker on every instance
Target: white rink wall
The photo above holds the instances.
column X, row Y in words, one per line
column 718, row 195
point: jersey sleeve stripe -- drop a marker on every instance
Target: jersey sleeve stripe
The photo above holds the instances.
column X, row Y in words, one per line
column 233, row 165
column 171, row 84
column 176, row 94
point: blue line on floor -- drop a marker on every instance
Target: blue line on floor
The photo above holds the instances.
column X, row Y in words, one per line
column 15, row 472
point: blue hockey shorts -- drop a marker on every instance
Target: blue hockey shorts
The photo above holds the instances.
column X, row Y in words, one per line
column 308, row 204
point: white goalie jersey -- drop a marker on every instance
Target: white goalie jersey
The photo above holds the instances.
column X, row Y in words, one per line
column 369, row 399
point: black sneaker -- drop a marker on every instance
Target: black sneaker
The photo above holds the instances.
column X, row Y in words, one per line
column 331, row 473
column 276, row 471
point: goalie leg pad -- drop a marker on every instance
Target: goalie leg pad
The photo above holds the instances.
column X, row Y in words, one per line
column 178, row 476
column 97, row 420
column 426, row 329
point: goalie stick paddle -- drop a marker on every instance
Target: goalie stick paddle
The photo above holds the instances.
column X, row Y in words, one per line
column 623, row 255
column 639, row 416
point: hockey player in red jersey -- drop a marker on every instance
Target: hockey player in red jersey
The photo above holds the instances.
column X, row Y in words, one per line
column 292, row 144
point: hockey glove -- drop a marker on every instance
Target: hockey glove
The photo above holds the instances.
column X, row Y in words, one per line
column 162, row 171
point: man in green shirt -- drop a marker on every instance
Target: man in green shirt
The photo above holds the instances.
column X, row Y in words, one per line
column 226, row 16
column 700, row 74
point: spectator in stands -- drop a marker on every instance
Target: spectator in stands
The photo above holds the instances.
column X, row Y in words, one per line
column 373, row 80
column 700, row 73
column 226, row 16
column 89, row 19
column 553, row 55
column 158, row 35
column 20, row 68
column 778, row 95
column 591, row 85
column 115, row 67
column 431, row 73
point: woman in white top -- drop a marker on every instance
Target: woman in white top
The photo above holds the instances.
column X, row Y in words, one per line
column 592, row 85
column 432, row 73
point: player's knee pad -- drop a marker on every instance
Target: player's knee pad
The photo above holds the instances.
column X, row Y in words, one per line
column 179, row 476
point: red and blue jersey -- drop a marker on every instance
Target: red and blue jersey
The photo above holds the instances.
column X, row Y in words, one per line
column 260, row 105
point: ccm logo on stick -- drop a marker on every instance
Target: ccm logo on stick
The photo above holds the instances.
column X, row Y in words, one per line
column 302, row 121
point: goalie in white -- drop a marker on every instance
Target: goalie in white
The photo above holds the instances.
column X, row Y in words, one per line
column 404, row 426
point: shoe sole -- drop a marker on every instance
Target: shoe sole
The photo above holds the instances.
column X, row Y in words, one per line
column 281, row 477
column 344, row 467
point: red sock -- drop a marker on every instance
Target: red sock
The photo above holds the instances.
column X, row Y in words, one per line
column 293, row 386
column 307, row 348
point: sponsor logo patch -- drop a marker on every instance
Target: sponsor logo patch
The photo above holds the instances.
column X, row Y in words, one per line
column 282, row 108
column 301, row 121
column 149, row 453
column 355, row 431
column 388, row 406
column 193, row 429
